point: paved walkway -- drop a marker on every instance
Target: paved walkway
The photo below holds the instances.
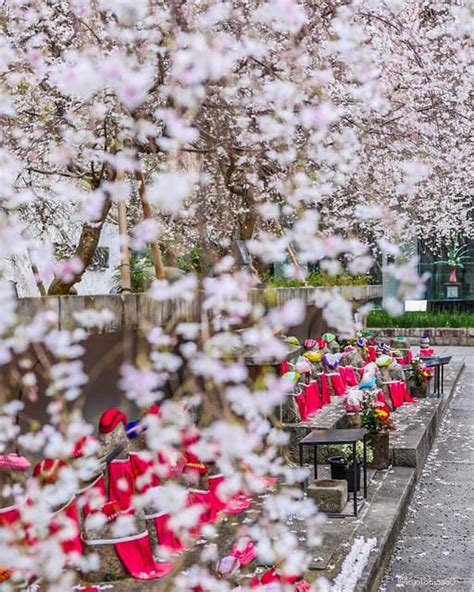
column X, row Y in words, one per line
column 435, row 551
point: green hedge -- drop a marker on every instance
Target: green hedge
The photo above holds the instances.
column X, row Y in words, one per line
column 321, row 280
column 379, row 318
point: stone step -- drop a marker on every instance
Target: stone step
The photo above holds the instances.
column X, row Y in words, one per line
column 417, row 424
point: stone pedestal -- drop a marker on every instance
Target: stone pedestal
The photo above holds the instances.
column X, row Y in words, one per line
column 380, row 444
column 102, row 544
column 330, row 495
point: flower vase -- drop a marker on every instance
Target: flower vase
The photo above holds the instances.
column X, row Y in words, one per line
column 453, row 278
column 379, row 443
column 339, row 470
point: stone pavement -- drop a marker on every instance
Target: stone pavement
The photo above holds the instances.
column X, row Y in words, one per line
column 435, row 550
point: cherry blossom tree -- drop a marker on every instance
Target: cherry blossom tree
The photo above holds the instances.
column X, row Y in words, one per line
column 213, row 121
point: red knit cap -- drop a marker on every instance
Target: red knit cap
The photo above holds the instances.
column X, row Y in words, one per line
column 110, row 419
column 48, row 469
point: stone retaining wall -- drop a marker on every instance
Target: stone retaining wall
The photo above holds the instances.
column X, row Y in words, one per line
column 438, row 336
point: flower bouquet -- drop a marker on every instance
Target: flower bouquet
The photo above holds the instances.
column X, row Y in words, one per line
column 375, row 417
column 419, row 379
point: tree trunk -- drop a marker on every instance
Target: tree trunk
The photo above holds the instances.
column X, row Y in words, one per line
column 148, row 213
column 85, row 250
column 38, row 281
column 248, row 220
column 126, row 281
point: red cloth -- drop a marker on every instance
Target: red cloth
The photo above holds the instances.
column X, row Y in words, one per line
column 165, row 536
column 271, row 577
column 284, row 367
column 406, row 395
column 342, row 373
column 144, row 472
column 372, row 353
column 92, row 497
column 349, row 375
column 409, row 356
column 110, row 419
column 396, row 394
column 337, row 384
column 14, row 461
column 268, row 481
column 193, row 463
column 48, row 469
column 121, row 482
column 206, row 500
column 68, row 514
column 137, row 559
column 300, row 399
column 244, row 551
column 78, row 451
column 380, row 397
column 325, row 390
column 313, row 398
column 303, row 586
column 10, row 515
column 427, row 353
column 155, row 410
column 172, row 470
column 237, row 504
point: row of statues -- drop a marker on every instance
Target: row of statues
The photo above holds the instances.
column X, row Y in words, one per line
column 118, row 507
column 329, row 367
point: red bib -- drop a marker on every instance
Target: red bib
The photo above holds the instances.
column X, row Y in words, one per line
column 136, row 556
column 337, row 384
column 237, row 504
column 313, row 398
column 144, row 472
column 73, row 545
column 121, row 482
column 325, row 391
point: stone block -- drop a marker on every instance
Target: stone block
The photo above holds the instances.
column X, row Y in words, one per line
column 330, row 495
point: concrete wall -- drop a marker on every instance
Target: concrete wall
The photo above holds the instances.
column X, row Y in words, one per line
column 139, row 310
column 124, row 337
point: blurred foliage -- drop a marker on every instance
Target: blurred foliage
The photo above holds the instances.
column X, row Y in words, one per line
column 192, row 260
column 320, row 279
column 141, row 272
column 380, row 318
